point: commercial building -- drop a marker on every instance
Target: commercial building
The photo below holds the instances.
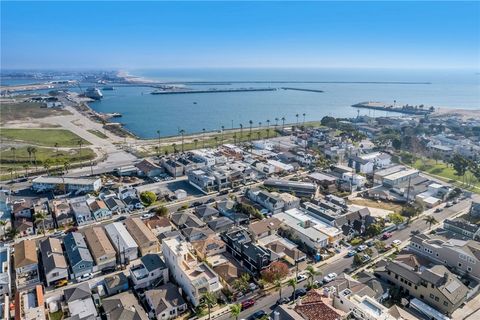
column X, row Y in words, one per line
column 46, row 183
column 126, row 247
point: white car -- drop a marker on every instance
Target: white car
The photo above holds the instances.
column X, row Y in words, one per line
column 86, row 276
column 301, row 277
column 396, row 242
column 330, row 277
column 147, row 216
column 361, row 248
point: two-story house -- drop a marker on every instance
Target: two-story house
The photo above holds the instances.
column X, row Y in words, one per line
column 79, row 257
column 100, row 247
column 165, row 302
column 54, row 264
column 151, row 271
column 26, row 263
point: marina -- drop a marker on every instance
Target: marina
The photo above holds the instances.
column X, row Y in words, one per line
column 406, row 109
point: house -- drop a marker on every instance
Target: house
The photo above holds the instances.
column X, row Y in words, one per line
column 132, row 203
column 461, row 255
column 25, row 262
column 281, row 248
column 186, row 220
column 127, row 192
column 76, row 185
column 80, row 302
column 365, row 163
column 435, row 285
column 40, row 208
column 265, row 227
column 227, row 208
column 173, row 167
column 54, row 264
column 81, row 211
column 206, row 212
column 392, row 180
column 123, row 306
column 148, row 169
column 79, row 257
column 158, row 225
column 300, row 189
column 147, row 242
column 122, row 241
column 116, row 283
column 166, row 302
column 115, row 205
column 62, row 212
column 360, row 306
column 196, row 234
column 99, row 209
column 22, row 209
column 151, row 271
column 228, row 271
column 220, row 224
column 195, row 278
column 30, row 304
column 475, row 209
column 5, row 272
column 462, row 229
column 208, row 247
column 100, row 247
column 24, row 227
column 326, row 181
column 273, row 201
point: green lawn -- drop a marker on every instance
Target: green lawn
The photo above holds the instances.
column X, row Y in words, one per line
column 43, row 137
column 444, row 172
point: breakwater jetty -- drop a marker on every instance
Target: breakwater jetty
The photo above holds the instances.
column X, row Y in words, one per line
column 406, row 109
column 302, row 89
column 180, row 91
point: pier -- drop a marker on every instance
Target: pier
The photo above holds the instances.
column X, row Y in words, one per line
column 406, row 109
column 211, row 90
column 302, row 89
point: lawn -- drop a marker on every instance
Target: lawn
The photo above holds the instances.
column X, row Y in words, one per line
column 43, row 137
column 98, row 133
column 27, row 110
column 444, row 172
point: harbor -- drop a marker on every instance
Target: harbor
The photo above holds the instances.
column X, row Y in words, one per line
column 302, row 89
column 213, row 90
column 406, row 109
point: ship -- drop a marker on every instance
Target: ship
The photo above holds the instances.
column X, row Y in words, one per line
column 93, row 93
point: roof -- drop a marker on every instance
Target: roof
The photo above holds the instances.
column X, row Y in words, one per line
column 113, row 202
column 319, row 176
column 153, row 261
column 186, row 219
column 165, row 297
column 205, row 211
column 146, row 166
column 265, row 225
column 119, row 236
column 314, row 306
column 158, row 222
column 139, row 231
column 81, row 291
column 212, row 242
column 25, row 253
column 228, row 272
column 116, row 280
column 76, row 248
column 124, row 306
column 220, row 223
column 64, row 180
column 98, row 242
column 52, row 254
column 97, row 205
column 462, row 224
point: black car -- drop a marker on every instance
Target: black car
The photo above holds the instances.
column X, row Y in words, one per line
column 121, row 218
column 283, row 300
column 300, row 292
column 108, row 270
column 258, row 315
column 210, row 200
column 196, row 204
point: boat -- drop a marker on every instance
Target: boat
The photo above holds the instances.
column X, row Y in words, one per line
column 93, row 93
column 194, row 102
column 108, row 88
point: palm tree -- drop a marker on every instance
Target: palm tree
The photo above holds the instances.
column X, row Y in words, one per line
column 12, row 233
column 258, row 135
column 216, row 141
column 159, row 146
column 278, row 285
column 430, row 220
column 293, row 283
column 10, row 170
column 241, row 132
column 30, row 150
column 234, row 138
column 66, row 166
column 283, row 122
column 174, row 148
column 195, row 143
column 235, row 310
column 157, row 151
column 210, row 300
column 250, row 122
column 260, row 125
column 34, row 152
column 41, row 216
column 311, row 273
column 203, row 138
column 25, row 167
column 297, row 119
column 47, row 164
column 276, row 122
column 304, row 114
column 182, row 132
column 56, row 148
column 223, row 129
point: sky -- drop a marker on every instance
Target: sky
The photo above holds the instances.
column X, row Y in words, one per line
column 132, row 35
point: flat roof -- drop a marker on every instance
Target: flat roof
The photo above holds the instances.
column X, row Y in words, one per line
column 60, row 180
column 401, row 174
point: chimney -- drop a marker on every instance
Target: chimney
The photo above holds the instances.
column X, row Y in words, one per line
column 446, row 276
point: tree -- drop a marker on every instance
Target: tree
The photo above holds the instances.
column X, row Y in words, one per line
column 195, row 143
column 460, row 165
column 41, row 216
column 12, row 233
column 148, row 197
column 235, row 310
column 161, row 211
column 292, row 283
column 283, row 123
column 250, row 122
column 396, row 218
column 241, row 283
column 328, row 121
column 210, row 300
column 182, row 133
column 380, row 246
column 373, row 230
column 25, row 167
column 278, row 286
column 80, row 144
column 56, row 148
column 430, row 220
column 47, row 164
column 30, row 151
column 277, row 270
column 397, row 144
column 34, row 152
column 311, row 273
column 2, row 227
column 411, row 210
column 357, row 259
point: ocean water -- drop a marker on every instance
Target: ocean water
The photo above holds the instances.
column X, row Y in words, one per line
column 144, row 114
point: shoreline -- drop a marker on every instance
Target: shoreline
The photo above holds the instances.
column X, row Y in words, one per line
column 449, row 112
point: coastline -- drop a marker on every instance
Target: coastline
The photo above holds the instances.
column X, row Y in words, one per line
column 449, row 112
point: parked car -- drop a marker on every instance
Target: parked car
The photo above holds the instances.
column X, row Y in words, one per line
column 72, row 229
column 283, row 300
column 449, row 204
column 196, row 204
column 211, row 200
column 386, row 235
column 396, row 242
column 330, row 277
column 370, row 243
column 351, row 253
column 258, row 315
column 108, row 270
column 300, row 292
column 438, row 210
column 247, row 304
column 366, row 258
column 86, row 276
column 58, row 234
column 361, row 248
column 147, row 216
column 121, row 218
column 318, row 283
column 61, row 283
column 252, row 286
column 301, row 277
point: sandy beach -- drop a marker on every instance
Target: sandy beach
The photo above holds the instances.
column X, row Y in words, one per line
column 464, row 113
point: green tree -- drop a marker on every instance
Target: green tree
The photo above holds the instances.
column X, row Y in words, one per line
column 311, row 273
column 380, row 246
column 161, row 211
column 373, row 230
column 40, row 217
column 148, row 197
column 292, row 283
column 12, row 233
column 34, row 152
column 235, row 310
column 357, row 259
column 396, row 218
column 430, row 220
column 411, row 210
column 182, row 133
column 210, row 299
column 460, row 165
column 328, row 121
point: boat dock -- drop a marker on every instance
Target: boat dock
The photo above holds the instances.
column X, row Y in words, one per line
column 178, row 91
column 406, row 109
column 302, row 89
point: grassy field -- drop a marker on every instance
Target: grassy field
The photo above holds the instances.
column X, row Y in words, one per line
column 98, row 133
column 442, row 171
column 43, row 137
column 27, row 110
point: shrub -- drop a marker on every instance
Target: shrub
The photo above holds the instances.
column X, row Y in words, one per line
column 276, row 271
column 162, row 211
column 148, row 197
column 356, row 241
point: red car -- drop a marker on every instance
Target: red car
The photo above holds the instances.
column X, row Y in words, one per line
column 247, row 304
column 386, row 235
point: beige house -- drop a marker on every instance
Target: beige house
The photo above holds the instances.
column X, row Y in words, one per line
column 265, row 227
column 208, row 247
column 100, row 247
column 436, row 286
column 26, row 263
column 143, row 236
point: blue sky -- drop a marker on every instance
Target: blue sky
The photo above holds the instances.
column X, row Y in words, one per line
column 240, row 34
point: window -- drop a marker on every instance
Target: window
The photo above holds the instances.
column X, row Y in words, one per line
column 421, row 296
column 445, row 303
column 433, row 286
column 459, row 264
column 432, row 296
column 469, row 269
column 436, row 299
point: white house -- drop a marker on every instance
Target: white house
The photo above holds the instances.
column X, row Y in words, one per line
column 122, row 241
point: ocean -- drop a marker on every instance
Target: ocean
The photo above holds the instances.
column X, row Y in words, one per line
column 144, row 114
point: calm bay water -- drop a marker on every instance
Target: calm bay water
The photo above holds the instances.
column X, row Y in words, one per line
column 144, row 113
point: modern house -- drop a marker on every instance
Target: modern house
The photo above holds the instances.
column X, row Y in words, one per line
column 81, row 211
column 25, row 262
column 365, row 163
column 208, row 247
column 147, row 242
column 166, row 302
column 462, row 228
column 80, row 303
column 195, row 278
column 46, row 183
column 54, row 264
column 115, row 205
column 123, row 306
column 126, row 247
column 149, row 169
column 151, row 271
column 102, row 250
column 300, row 189
column 79, row 257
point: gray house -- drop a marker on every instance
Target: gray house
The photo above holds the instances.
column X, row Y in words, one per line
column 81, row 261
column 54, row 264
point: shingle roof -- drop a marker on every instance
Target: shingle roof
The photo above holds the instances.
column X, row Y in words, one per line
column 52, row 254
column 76, row 248
column 82, row 291
column 165, row 297
column 25, row 253
column 123, row 306
column 139, row 231
column 265, row 225
column 98, row 242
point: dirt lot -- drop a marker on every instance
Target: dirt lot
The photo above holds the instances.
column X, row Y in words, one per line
column 376, row 204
